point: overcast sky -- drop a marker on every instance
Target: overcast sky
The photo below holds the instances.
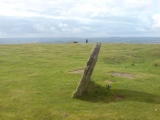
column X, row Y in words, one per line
column 79, row 18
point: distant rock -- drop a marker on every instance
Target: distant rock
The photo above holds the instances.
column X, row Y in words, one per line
column 75, row 42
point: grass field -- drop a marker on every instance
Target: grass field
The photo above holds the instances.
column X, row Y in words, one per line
column 35, row 82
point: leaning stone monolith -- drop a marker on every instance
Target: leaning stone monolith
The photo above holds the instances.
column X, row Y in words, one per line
column 87, row 71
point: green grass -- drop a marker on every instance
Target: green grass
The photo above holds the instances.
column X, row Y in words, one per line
column 35, row 83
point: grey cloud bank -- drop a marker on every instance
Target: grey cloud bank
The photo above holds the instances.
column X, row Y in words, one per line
column 83, row 18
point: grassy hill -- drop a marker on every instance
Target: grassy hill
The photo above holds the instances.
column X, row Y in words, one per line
column 37, row 81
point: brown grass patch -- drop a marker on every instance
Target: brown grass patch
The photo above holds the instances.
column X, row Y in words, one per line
column 80, row 71
column 119, row 97
column 108, row 81
column 121, row 74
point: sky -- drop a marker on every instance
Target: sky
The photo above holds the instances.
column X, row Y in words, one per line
column 79, row 18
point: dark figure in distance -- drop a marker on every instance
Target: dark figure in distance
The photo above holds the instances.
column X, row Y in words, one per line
column 86, row 40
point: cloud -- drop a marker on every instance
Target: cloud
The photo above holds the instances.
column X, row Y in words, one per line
column 138, row 4
column 79, row 18
column 141, row 29
column 39, row 28
column 156, row 21
column 62, row 25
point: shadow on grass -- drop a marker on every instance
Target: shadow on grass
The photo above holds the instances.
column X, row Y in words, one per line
column 97, row 93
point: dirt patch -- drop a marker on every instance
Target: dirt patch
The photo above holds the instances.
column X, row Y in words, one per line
column 121, row 74
column 76, row 71
column 108, row 81
column 119, row 97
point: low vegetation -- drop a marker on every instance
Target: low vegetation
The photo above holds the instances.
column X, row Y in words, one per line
column 37, row 81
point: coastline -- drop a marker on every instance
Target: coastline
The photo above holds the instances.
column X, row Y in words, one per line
column 63, row 40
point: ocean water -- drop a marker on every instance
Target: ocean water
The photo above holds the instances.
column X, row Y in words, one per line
column 62, row 40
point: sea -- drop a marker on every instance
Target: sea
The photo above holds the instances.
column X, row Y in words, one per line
column 63, row 40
